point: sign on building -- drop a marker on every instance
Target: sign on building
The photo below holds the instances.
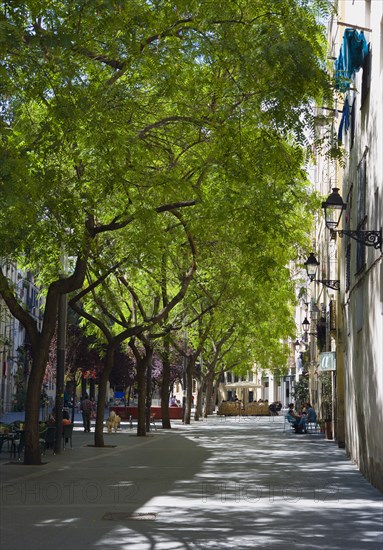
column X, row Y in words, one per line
column 327, row 361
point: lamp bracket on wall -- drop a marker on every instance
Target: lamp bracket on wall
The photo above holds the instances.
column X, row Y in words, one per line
column 330, row 283
column 368, row 238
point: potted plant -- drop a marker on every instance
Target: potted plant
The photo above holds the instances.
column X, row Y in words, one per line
column 301, row 391
column 326, row 403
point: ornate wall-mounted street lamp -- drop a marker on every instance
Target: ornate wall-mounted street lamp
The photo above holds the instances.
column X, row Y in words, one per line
column 312, row 265
column 333, row 209
column 306, row 326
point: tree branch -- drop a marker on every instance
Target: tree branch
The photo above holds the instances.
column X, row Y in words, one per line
column 17, row 310
column 135, row 297
column 175, row 205
column 114, row 63
column 170, row 31
column 97, row 282
column 114, row 225
column 168, row 120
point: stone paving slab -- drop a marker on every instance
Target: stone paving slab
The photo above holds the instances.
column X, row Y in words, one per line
column 220, row 483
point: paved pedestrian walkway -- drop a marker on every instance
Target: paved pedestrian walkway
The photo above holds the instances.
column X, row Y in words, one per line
column 240, row 483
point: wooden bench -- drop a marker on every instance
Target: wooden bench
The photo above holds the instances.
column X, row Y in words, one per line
column 235, row 408
column 257, row 409
column 230, row 408
column 131, row 412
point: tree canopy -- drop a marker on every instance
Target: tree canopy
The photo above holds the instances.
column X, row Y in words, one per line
column 116, row 113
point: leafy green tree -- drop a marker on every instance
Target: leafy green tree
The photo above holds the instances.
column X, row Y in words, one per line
column 113, row 110
column 124, row 303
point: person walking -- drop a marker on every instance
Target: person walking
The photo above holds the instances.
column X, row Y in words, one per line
column 86, row 409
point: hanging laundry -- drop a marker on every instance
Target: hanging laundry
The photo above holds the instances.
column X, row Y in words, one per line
column 341, row 82
column 351, row 58
column 345, row 120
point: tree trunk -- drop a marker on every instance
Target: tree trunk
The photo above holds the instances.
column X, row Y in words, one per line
column 40, row 341
column 198, row 405
column 149, row 357
column 189, row 392
column 141, row 383
column 73, row 397
column 165, row 389
column 102, row 387
column 32, row 452
column 209, row 393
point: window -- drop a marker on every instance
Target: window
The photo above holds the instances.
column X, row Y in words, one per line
column 352, row 124
column 366, row 80
column 348, row 267
column 361, row 213
column 360, row 256
column 332, row 311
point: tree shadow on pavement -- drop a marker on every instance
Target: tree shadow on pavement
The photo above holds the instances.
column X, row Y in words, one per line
column 215, row 484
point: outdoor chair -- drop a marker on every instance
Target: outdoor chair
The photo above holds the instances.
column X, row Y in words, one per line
column 290, row 423
column 152, row 421
column 47, row 439
column 287, row 423
column 67, row 435
column 312, row 426
column 5, row 429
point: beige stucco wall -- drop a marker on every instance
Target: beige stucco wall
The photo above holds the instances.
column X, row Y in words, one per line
column 362, row 305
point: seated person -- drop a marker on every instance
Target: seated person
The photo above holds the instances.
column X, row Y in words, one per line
column 66, row 419
column 296, row 420
column 311, row 414
column 51, row 420
column 273, row 409
column 173, row 402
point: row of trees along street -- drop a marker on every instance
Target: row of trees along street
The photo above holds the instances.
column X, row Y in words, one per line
column 159, row 147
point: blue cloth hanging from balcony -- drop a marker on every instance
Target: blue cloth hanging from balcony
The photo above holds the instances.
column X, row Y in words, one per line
column 345, row 120
column 351, row 58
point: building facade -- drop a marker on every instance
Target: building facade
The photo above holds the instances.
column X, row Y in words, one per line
column 14, row 350
column 352, row 252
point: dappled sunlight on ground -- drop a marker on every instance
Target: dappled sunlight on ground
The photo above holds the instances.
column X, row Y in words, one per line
column 219, row 483
column 290, row 492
